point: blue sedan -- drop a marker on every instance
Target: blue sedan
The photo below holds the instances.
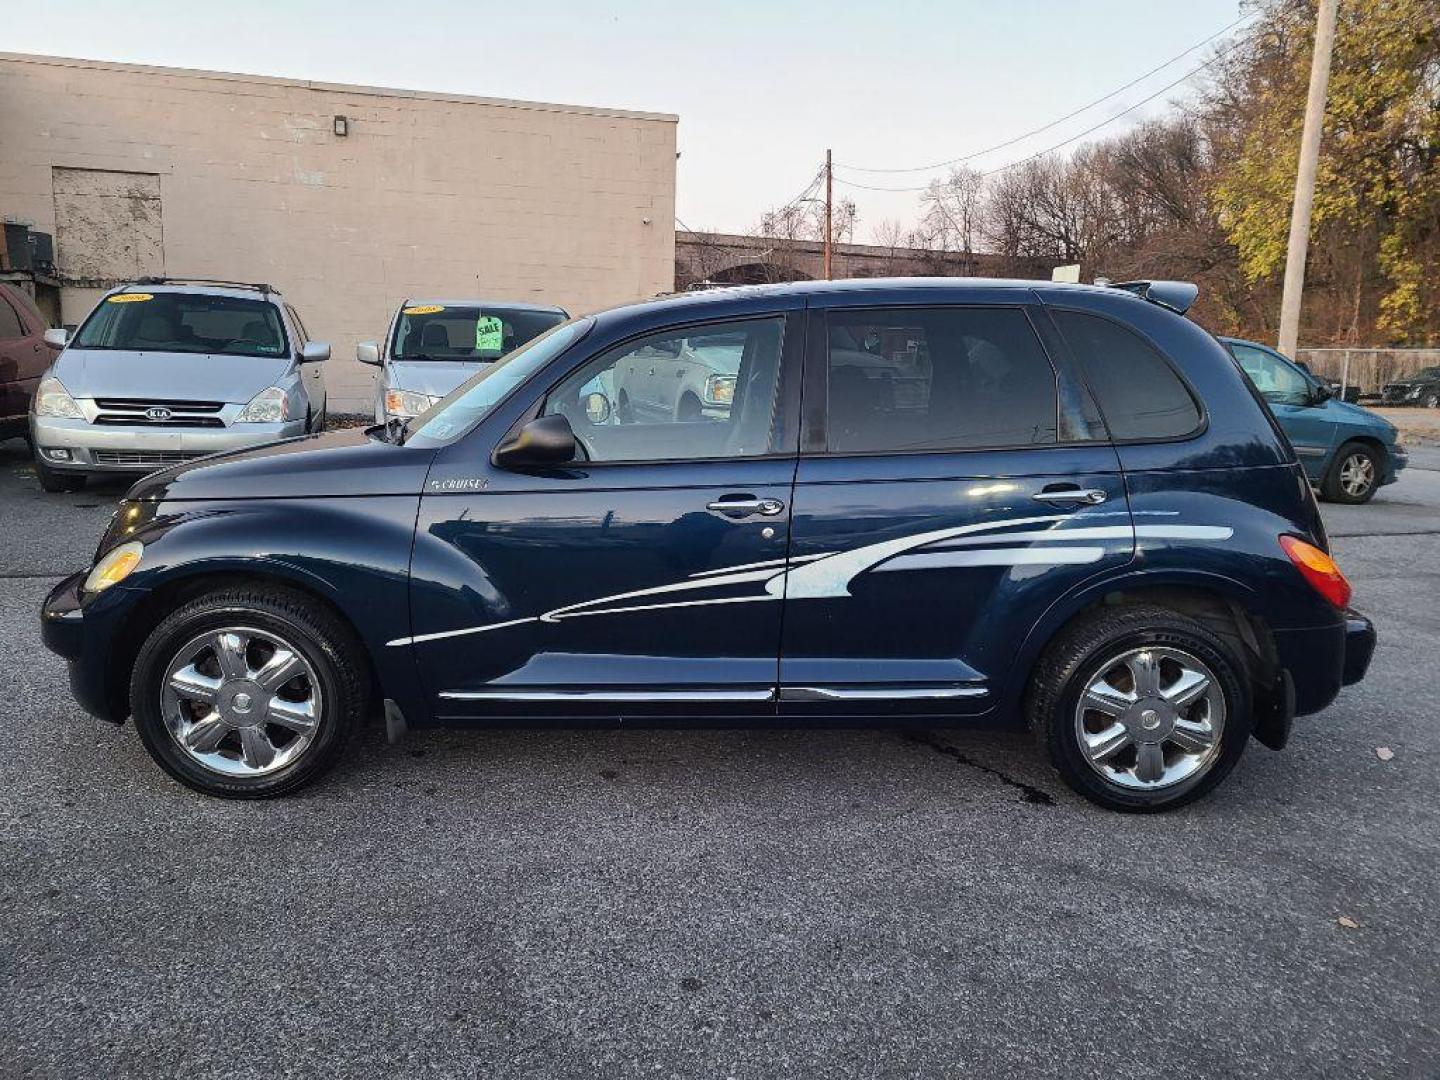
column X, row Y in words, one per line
column 1348, row 452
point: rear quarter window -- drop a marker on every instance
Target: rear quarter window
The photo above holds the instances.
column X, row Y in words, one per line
column 1139, row 393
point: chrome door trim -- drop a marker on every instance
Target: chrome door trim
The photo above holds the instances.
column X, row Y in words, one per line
column 1085, row 496
column 745, row 507
column 889, row 693
column 609, row 695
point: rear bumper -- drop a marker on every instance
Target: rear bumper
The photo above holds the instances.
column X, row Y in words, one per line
column 1320, row 660
column 1360, row 639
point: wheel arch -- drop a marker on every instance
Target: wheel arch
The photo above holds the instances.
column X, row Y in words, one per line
column 193, row 580
column 1366, row 438
column 1224, row 604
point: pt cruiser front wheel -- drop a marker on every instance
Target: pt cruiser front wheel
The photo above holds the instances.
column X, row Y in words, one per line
column 1141, row 708
column 248, row 693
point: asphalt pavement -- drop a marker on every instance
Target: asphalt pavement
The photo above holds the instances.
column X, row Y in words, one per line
column 720, row 903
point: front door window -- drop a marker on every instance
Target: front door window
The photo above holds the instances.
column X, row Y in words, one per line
column 698, row 393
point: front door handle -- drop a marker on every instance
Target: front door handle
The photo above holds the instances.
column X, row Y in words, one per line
column 1083, row 496
column 739, row 506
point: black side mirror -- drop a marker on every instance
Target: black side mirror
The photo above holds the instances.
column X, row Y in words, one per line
column 546, row 440
column 1321, row 394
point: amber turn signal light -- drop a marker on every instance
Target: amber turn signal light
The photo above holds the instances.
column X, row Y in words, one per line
column 1319, row 570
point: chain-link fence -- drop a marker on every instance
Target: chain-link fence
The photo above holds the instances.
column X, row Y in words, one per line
column 1368, row 369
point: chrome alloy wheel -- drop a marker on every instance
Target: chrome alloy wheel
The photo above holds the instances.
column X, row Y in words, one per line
column 1357, row 474
column 241, row 702
column 1150, row 718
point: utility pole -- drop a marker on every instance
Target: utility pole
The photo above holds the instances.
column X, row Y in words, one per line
column 829, row 171
column 1305, row 179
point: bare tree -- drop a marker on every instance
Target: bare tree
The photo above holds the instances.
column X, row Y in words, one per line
column 953, row 210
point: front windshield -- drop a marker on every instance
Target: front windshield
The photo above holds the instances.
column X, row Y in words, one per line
column 1428, row 373
column 466, row 331
column 184, row 323
column 469, row 402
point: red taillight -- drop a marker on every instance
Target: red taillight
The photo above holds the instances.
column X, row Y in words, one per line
column 1319, row 570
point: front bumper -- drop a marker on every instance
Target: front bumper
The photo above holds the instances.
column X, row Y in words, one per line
column 63, row 630
column 1396, row 458
column 95, row 448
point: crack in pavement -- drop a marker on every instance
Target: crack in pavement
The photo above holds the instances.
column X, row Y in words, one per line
column 1028, row 792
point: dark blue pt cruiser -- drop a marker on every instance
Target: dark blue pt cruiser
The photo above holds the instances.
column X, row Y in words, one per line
column 909, row 503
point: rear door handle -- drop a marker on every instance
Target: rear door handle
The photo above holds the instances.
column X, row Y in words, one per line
column 739, row 506
column 1083, row 496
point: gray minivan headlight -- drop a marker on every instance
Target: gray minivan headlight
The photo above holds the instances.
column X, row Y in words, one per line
column 52, row 399
column 270, row 406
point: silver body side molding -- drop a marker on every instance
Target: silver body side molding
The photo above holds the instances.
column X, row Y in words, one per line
column 608, row 695
column 787, row 693
column 893, row 693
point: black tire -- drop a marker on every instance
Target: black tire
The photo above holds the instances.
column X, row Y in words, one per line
column 57, row 482
column 1061, row 675
column 1333, row 488
column 323, row 640
column 1432, row 400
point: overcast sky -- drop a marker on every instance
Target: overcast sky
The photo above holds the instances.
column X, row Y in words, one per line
column 761, row 88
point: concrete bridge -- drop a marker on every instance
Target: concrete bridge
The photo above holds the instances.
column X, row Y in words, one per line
column 730, row 259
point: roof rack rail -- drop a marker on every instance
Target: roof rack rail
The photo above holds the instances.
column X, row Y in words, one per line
column 258, row 286
column 1177, row 296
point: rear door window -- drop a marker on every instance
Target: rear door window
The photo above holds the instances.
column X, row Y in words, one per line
column 933, row 379
column 1139, row 392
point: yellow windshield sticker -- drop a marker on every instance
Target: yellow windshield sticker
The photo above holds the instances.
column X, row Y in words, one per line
column 129, row 298
column 489, row 334
column 424, row 309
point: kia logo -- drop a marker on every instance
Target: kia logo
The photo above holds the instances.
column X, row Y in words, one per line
column 157, row 413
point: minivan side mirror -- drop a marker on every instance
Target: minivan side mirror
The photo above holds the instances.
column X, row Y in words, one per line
column 546, row 440
column 1321, row 394
column 314, row 352
column 57, row 339
column 368, row 352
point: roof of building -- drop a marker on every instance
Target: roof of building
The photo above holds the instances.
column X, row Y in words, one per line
column 336, row 88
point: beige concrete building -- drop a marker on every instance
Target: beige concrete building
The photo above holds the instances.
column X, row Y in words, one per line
column 143, row 170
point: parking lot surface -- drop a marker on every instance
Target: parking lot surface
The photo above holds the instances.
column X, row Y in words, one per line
column 722, row 903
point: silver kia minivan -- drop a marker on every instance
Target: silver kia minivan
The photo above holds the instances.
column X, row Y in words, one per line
column 435, row 345
column 165, row 370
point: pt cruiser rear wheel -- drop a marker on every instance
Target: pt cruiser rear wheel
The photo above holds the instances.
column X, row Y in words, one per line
column 1141, row 708
column 248, row 693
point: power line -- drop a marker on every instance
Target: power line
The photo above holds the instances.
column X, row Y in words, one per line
column 806, row 193
column 1046, row 127
column 1073, row 138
